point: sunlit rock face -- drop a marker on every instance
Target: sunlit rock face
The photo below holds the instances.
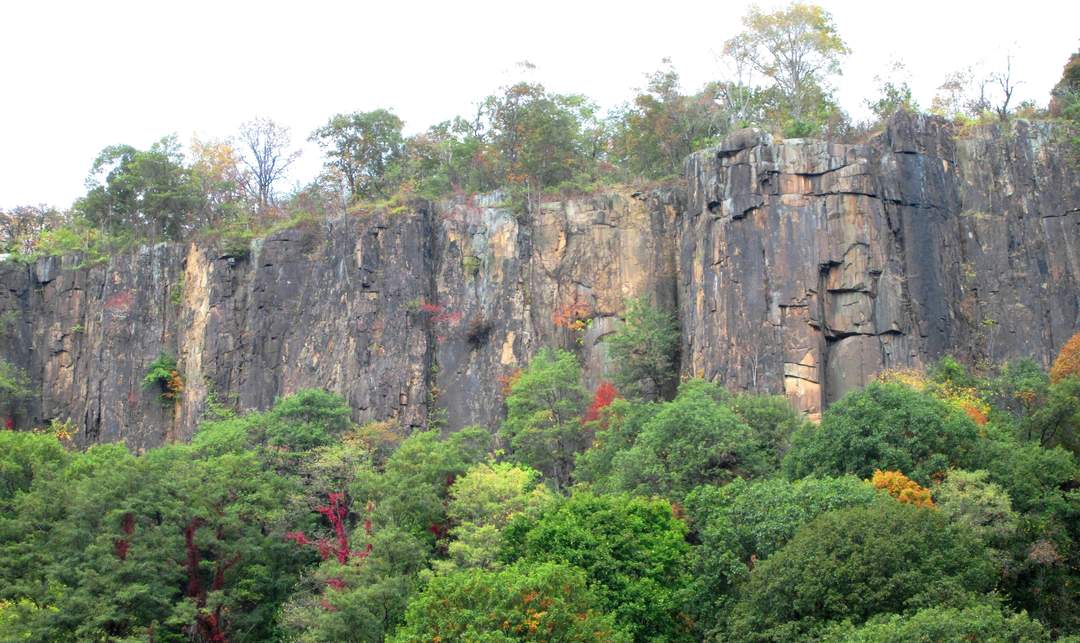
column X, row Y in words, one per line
column 808, row 267
column 797, row 267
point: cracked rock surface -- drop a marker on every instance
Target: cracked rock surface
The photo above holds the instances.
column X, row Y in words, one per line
column 799, row 267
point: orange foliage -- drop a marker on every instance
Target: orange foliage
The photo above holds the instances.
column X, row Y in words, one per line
column 574, row 316
column 1068, row 360
column 902, row 488
column 506, row 382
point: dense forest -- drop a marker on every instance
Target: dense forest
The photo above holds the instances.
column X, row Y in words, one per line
column 936, row 506
column 931, row 505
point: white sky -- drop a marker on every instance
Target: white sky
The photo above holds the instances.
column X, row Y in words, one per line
column 76, row 77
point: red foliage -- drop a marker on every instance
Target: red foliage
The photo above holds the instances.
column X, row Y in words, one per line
column 209, row 624
column 9, row 423
column 121, row 545
column 335, row 583
column 431, row 309
column 605, row 395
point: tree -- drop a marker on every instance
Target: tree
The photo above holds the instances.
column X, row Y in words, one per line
column 216, row 170
column 14, row 386
column 797, row 47
column 970, row 499
column 22, row 226
column 744, row 522
column 525, row 602
column 893, row 93
column 146, row 192
column 843, row 565
column 632, row 549
column 977, row 623
column 903, row 488
column 1005, row 82
column 645, row 351
column 363, row 149
column 482, row 502
column 690, row 441
column 653, row 136
column 543, row 415
column 265, row 152
column 886, row 426
column 1067, row 362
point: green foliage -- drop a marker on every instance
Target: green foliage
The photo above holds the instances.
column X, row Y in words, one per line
column 651, row 137
column 798, row 48
column 544, row 601
column 690, row 441
column 363, row 150
column 24, row 457
column 543, row 415
column 844, row 565
column 302, row 421
column 971, row 500
column 742, row 523
column 112, row 557
column 887, row 426
column 149, row 192
column 482, row 502
column 772, row 420
column 14, row 384
column 162, row 374
column 632, row 549
column 645, row 351
column 987, row 623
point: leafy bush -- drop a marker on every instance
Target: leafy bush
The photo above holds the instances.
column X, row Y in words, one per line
column 163, row 374
column 886, row 426
column 633, row 552
column 545, row 601
column 845, row 565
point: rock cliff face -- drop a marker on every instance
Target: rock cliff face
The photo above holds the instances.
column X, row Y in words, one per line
column 807, row 267
column 800, row 267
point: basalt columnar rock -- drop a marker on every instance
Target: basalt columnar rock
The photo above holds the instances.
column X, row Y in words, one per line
column 800, row 267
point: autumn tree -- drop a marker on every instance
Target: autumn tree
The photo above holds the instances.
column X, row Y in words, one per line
column 363, row 149
column 216, row 169
column 797, row 47
column 652, row 136
column 266, row 155
column 22, row 226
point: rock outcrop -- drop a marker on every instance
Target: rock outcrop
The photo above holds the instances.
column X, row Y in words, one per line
column 807, row 267
column 800, row 267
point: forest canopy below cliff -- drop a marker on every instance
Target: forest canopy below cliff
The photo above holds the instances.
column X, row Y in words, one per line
column 938, row 506
column 522, row 139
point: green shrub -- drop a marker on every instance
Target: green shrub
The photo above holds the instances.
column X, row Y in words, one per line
column 163, row 373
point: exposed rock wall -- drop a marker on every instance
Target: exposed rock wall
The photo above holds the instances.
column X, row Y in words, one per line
column 801, row 267
column 807, row 267
column 392, row 312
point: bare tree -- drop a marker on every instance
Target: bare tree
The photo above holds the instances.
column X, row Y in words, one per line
column 1007, row 85
column 266, row 154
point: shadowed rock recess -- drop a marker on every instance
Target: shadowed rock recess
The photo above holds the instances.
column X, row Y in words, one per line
column 801, row 267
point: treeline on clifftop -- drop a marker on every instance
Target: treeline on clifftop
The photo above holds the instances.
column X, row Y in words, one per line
column 523, row 139
column 929, row 506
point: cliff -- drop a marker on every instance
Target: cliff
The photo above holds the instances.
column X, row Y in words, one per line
column 799, row 266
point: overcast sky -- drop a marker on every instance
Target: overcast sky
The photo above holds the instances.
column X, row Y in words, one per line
column 79, row 76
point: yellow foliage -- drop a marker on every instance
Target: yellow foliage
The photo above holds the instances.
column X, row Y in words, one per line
column 1068, row 360
column 902, row 488
column 908, row 377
